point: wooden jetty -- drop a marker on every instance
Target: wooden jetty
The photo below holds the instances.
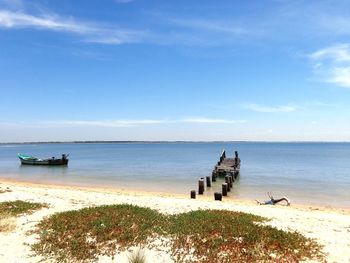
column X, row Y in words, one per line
column 227, row 166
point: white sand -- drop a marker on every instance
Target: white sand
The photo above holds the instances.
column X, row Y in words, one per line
column 331, row 227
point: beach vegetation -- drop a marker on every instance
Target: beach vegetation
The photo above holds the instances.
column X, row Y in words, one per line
column 197, row 236
column 11, row 209
column 7, row 222
column 18, row 207
column 137, row 256
column 84, row 234
column 227, row 236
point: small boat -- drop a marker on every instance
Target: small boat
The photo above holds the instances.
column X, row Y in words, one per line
column 30, row 160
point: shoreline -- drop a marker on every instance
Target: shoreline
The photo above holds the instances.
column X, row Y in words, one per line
column 283, row 169
column 330, row 227
column 143, row 192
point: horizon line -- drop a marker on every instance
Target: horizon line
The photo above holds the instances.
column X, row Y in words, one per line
column 169, row 141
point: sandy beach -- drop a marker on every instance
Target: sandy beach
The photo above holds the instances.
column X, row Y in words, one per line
column 330, row 227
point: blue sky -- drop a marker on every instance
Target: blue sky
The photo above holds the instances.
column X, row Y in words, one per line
column 174, row 70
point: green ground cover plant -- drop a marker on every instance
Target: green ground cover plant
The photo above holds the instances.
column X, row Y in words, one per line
column 137, row 256
column 205, row 235
column 86, row 233
column 15, row 208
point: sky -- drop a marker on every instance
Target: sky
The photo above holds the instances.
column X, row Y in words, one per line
column 204, row 70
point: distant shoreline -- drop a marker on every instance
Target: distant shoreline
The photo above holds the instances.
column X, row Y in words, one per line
column 165, row 142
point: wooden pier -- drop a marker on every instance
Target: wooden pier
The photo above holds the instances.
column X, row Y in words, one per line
column 227, row 166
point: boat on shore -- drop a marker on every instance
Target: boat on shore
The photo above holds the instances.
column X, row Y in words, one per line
column 30, row 160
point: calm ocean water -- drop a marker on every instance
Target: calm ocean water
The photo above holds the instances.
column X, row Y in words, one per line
column 308, row 173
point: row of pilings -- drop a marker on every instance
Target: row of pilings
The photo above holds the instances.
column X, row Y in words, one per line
column 227, row 168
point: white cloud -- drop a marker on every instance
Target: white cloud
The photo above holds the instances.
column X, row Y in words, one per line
column 332, row 64
column 116, row 123
column 92, row 123
column 207, row 120
column 270, row 109
column 337, row 53
column 185, row 31
column 90, row 31
column 105, row 40
column 209, row 25
column 340, row 76
column 112, row 123
column 11, row 19
column 123, row 1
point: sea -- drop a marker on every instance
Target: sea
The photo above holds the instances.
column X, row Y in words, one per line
column 307, row 173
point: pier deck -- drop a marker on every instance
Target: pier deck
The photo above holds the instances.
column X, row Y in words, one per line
column 227, row 166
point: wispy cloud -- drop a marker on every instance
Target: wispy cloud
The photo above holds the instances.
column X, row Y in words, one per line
column 117, row 123
column 11, row 19
column 332, row 64
column 335, row 53
column 184, row 30
column 203, row 31
column 81, row 123
column 209, row 25
column 123, row 1
column 321, row 104
column 208, row 120
column 111, row 123
column 90, row 31
column 270, row 109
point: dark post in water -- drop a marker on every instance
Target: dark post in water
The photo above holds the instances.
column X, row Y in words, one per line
column 213, row 176
column 218, row 196
column 227, row 181
column 224, row 189
column 193, row 194
column 201, row 186
column 208, row 181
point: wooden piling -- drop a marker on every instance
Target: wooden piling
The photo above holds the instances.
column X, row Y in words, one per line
column 223, row 154
column 218, row 196
column 193, row 194
column 227, row 181
column 230, row 181
column 224, row 189
column 208, row 181
column 232, row 177
column 201, row 186
column 213, row 176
